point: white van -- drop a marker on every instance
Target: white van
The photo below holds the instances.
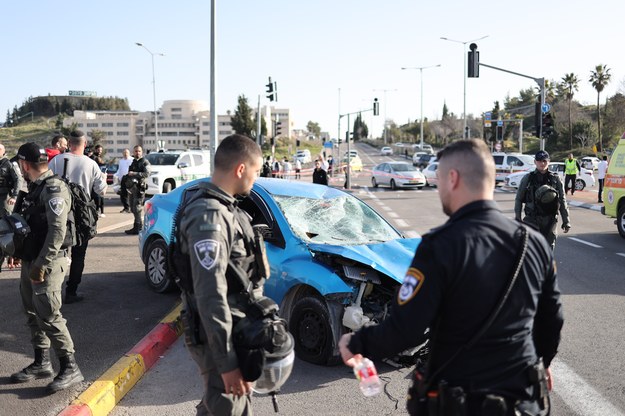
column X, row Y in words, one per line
column 425, row 148
column 171, row 168
column 507, row 163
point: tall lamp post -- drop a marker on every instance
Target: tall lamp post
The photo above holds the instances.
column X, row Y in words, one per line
column 421, row 68
column 153, row 92
column 465, row 133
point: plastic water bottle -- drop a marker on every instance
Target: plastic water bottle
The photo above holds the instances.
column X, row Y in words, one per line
column 366, row 373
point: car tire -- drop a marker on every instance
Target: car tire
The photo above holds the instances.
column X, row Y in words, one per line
column 419, row 187
column 579, row 185
column 374, row 183
column 393, row 184
column 156, row 267
column 310, row 326
column 167, row 187
column 620, row 220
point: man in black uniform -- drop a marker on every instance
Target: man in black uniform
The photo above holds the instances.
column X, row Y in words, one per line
column 543, row 195
column 457, row 277
column 319, row 175
column 136, row 185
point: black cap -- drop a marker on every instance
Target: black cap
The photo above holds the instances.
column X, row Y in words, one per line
column 32, row 152
column 542, row 155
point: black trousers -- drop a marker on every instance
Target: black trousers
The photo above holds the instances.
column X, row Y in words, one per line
column 571, row 179
column 76, row 268
column 123, row 193
column 600, row 197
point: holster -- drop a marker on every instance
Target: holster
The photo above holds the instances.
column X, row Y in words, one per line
column 191, row 325
column 538, row 377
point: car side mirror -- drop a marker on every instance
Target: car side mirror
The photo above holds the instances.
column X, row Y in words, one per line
column 265, row 231
column 183, row 165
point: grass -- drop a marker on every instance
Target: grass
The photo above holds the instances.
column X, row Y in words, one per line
column 36, row 131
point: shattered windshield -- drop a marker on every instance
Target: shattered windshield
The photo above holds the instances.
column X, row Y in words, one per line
column 338, row 221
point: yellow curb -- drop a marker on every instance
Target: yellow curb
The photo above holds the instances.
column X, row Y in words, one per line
column 102, row 396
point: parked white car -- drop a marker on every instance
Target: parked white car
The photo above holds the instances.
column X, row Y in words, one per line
column 584, row 179
column 386, row 151
column 590, row 162
column 397, row 174
column 171, row 168
column 429, row 172
column 507, row 163
column 303, row 155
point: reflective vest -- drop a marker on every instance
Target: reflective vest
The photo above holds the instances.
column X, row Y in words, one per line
column 571, row 167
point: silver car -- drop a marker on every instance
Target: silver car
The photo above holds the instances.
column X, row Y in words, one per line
column 396, row 175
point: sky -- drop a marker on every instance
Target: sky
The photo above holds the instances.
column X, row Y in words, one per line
column 327, row 57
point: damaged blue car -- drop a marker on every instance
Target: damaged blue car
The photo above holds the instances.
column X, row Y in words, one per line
column 335, row 263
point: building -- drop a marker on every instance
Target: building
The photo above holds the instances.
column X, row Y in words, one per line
column 181, row 124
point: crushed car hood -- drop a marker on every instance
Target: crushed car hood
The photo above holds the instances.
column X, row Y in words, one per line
column 391, row 258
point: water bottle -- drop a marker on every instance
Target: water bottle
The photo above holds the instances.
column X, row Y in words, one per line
column 368, row 376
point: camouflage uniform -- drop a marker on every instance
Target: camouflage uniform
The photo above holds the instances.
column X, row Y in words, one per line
column 212, row 235
column 546, row 224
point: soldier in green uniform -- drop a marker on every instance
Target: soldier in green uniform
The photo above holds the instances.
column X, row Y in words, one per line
column 213, row 231
column 44, row 263
column 543, row 195
column 136, row 185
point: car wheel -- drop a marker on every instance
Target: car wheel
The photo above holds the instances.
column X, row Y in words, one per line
column 393, row 184
column 374, row 183
column 579, row 185
column 310, row 326
column 167, row 187
column 156, row 267
column 419, row 187
column 620, row 220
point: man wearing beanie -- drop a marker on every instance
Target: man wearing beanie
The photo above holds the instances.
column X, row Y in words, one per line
column 43, row 256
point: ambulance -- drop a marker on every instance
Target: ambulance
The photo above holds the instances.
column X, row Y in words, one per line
column 614, row 188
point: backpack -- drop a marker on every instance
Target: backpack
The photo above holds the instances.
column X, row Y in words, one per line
column 543, row 196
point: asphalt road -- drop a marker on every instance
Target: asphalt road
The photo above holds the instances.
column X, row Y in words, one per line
column 120, row 310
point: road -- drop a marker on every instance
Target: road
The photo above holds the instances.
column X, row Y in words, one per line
column 120, row 310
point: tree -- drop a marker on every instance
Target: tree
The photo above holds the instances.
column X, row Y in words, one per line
column 96, row 137
column 242, row 119
column 313, row 128
column 568, row 87
column 360, row 128
column 599, row 78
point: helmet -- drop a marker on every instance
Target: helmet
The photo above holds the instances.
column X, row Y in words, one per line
column 277, row 368
column 13, row 229
column 546, row 194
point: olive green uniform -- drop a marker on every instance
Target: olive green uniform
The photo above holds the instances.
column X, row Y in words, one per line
column 546, row 224
column 42, row 301
column 212, row 235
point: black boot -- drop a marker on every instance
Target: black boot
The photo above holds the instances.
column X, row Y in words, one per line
column 133, row 231
column 69, row 375
column 40, row 368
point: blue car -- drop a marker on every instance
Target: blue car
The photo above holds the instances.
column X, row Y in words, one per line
column 335, row 263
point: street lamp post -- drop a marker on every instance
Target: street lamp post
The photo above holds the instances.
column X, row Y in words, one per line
column 421, row 68
column 153, row 91
column 465, row 133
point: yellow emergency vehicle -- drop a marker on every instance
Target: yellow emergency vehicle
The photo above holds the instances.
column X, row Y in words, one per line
column 614, row 188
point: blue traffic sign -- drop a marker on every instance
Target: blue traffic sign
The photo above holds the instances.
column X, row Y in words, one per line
column 546, row 107
column 487, row 115
column 499, row 122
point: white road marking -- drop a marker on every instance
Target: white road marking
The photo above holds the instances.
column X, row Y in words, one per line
column 115, row 226
column 578, row 395
column 401, row 223
column 585, row 242
column 620, row 254
column 393, row 214
column 412, row 234
column 385, row 208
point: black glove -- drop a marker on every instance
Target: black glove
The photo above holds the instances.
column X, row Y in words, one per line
column 566, row 227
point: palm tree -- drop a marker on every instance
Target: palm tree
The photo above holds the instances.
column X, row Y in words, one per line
column 599, row 78
column 570, row 85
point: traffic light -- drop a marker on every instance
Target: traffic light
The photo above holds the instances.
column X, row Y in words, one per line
column 538, row 117
column 272, row 90
column 297, row 143
column 278, row 131
column 376, row 107
column 499, row 133
column 547, row 124
column 473, row 70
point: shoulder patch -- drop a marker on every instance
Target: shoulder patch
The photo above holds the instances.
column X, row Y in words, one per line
column 54, row 189
column 56, row 205
column 206, row 252
column 411, row 286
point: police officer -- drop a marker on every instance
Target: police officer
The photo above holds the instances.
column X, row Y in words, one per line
column 10, row 184
column 456, row 279
column 44, row 264
column 136, row 185
column 541, row 192
column 213, row 231
column 571, row 170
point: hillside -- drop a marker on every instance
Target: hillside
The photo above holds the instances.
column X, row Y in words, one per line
column 39, row 131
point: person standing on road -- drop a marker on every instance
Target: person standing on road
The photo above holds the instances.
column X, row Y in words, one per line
column 122, row 171
column 298, row 168
column 571, row 170
column 319, row 175
column 136, row 184
column 43, row 262
column 541, row 192
column 455, row 286
column 97, row 158
column 286, row 167
column 601, row 171
column 214, row 232
column 85, row 172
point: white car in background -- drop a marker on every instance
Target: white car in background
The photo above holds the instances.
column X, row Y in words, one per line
column 397, row 174
column 303, row 156
column 386, row 151
column 584, row 179
column 590, row 162
column 429, row 172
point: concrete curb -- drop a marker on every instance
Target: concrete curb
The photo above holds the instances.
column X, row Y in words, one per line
column 102, row 396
